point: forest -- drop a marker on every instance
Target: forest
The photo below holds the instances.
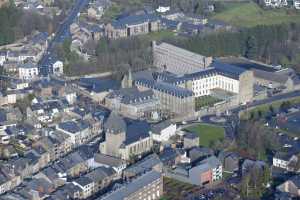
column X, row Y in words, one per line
column 276, row 44
column 16, row 24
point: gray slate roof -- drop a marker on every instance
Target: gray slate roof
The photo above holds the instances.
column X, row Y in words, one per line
column 108, row 160
column 115, row 123
column 134, row 20
column 157, row 128
column 135, row 185
column 144, row 165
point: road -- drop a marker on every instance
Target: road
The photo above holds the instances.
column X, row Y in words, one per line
column 61, row 34
column 268, row 100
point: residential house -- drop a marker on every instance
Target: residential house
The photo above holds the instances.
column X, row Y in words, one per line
column 230, row 161
column 170, row 157
column 28, row 71
column 102, row 178
column 37, row 188
column 162, row 131
column 52, row 175
column 3, row 2
column 96, row 9
column 206, row 172
column 108, row 161
column 297, row 4
column 275, row 3
column 8, row 178
column 151, row 162
column 69, row 190
column 291, row 186
column 78, row 131
column 7, row 98
column 72, row 164
column 248, row 165
column 56, row 143
column 2, row 57
column 190, row 140
column 285, row 160
column 197, row 154
column 86, row 186
column 58, row 68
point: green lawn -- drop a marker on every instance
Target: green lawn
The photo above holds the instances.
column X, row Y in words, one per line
column 207, row 133
column 250, row 14
column 158, row 36
column 204, row 101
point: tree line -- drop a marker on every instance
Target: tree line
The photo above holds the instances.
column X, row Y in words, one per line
column 277, row 44
column 16, row 23
column 116, row 56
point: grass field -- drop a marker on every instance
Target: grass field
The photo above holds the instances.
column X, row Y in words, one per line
column 158, row 36
column 204, row 101
column 207, row 133
column 250, row 14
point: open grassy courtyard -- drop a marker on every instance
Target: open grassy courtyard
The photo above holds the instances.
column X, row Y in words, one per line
column 250, row 14
column 207, row 133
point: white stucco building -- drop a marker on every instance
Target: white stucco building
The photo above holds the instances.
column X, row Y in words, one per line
column 28, row 71
column 161, row 132
column 58, row 68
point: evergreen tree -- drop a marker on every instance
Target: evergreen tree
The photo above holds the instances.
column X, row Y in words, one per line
column 251, row 48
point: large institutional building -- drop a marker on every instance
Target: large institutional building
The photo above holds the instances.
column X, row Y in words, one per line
column 132, row 25
column 172, row 98
column 177, row 93
column 219, row 80
column 177, row 60
column 147, row 186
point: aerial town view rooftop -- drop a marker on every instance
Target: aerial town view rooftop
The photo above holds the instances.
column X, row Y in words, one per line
column 149, row 99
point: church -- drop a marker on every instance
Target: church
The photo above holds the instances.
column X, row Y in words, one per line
column 125, row 140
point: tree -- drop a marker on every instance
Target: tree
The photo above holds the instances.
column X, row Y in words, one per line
column 251, row 48
column 271, row 109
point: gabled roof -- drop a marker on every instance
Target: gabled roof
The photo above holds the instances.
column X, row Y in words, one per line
column 109, row 160
column 144, row 165
column 28, row 65
column 165, row 87
column 83, row 181
column 158, row 127
column 134, row 20
column 211, row 161
column 73, row 127
column 100, row 173
column 296, row 181
column 135, row 185
column 137, row 131
column 99, row 85
column 132, row 95
column 228, row 69
column 283, row 156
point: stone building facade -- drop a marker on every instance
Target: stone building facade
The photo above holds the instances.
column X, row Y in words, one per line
column 177, row 60
column 125, row 141
column 173, row 99
column 132, row 25
column 147, row 186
